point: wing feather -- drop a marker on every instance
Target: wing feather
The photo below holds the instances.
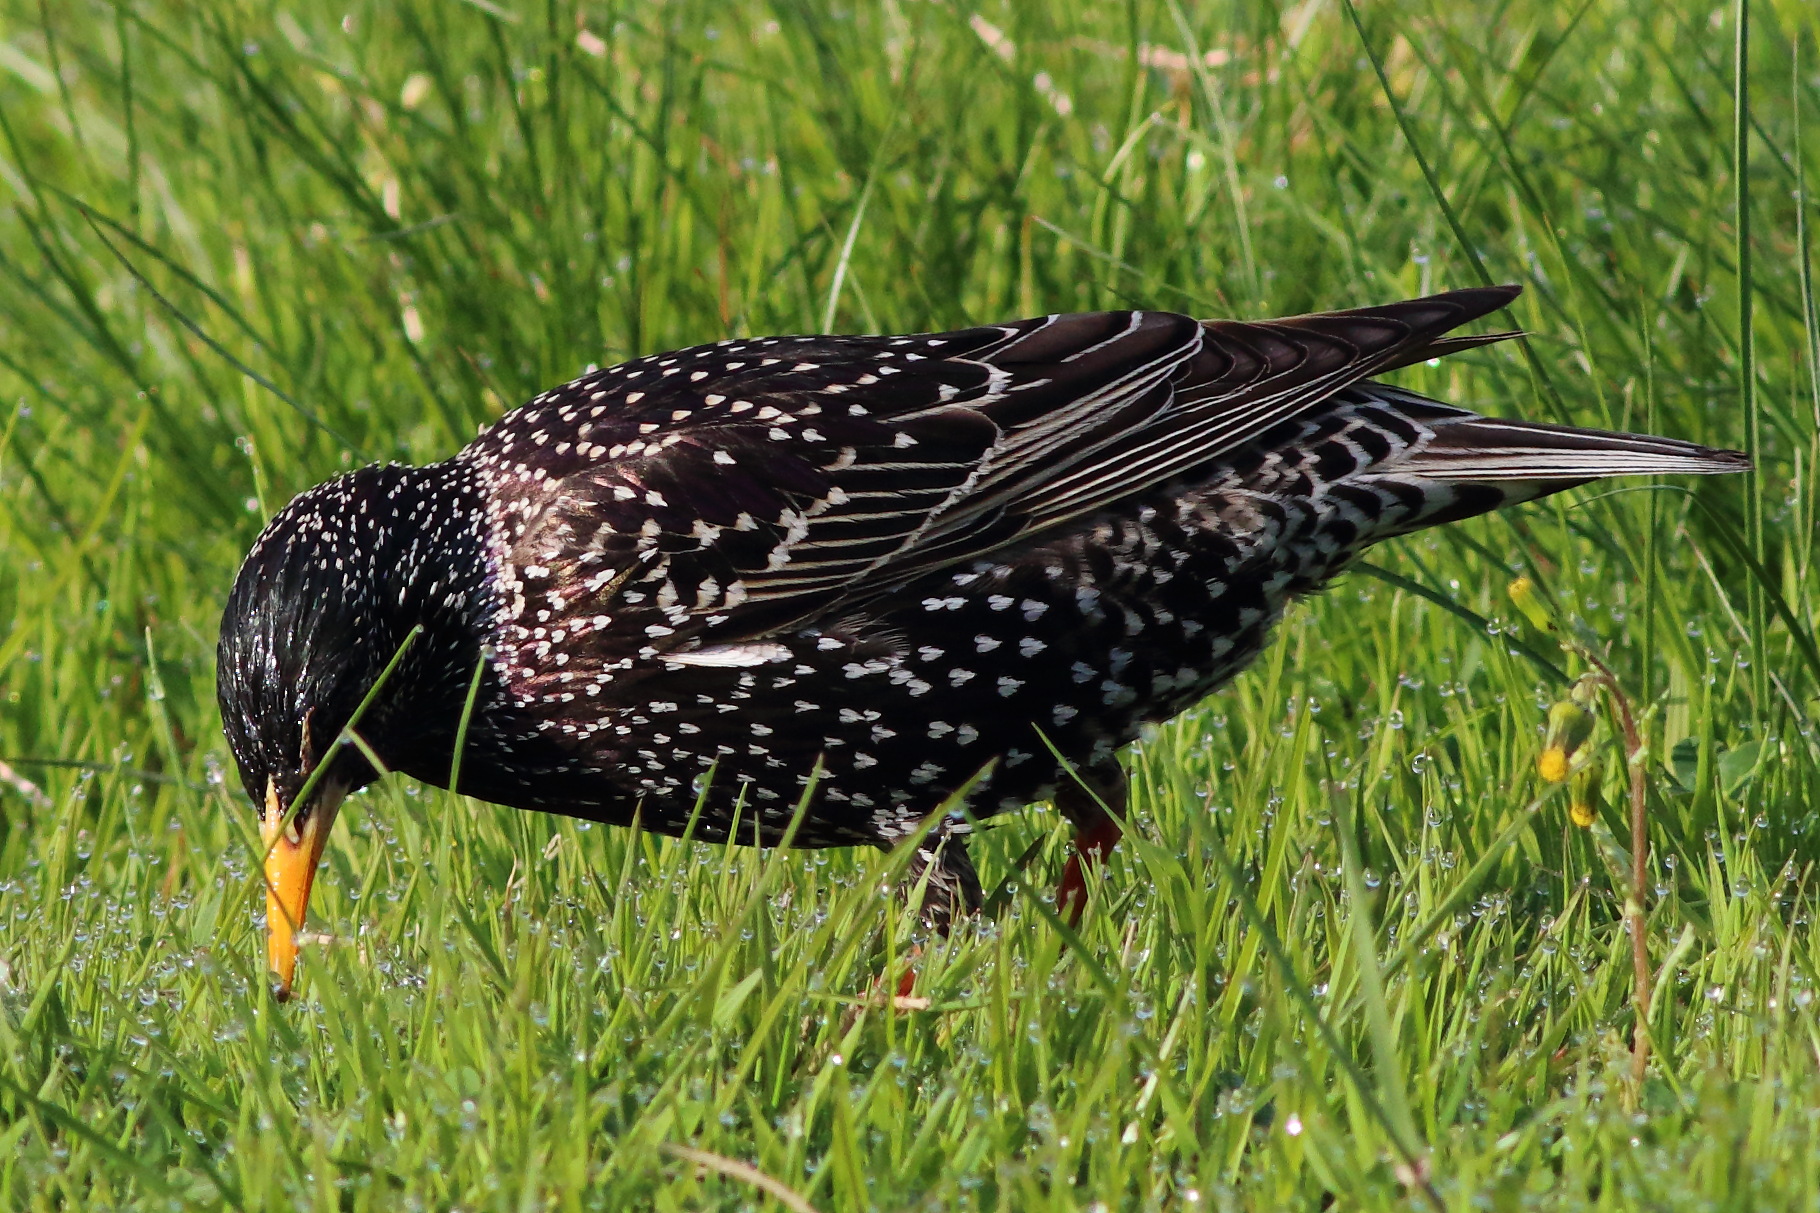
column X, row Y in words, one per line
column 713, row 494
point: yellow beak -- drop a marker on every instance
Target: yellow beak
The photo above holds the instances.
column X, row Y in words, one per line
column 291, row 854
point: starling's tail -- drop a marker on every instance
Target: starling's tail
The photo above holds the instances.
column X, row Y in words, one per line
column 1462, row 464
column 1489, row 449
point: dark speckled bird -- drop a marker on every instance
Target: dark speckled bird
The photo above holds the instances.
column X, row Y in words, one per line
column 873, row 571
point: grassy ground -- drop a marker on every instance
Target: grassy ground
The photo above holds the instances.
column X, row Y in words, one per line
column 1353, row 953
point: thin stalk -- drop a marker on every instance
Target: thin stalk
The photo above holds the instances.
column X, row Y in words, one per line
column 1747, row 369
column 1635, row 919
column 467, row 718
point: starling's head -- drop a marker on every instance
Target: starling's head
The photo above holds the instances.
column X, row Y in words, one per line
column 383, row 563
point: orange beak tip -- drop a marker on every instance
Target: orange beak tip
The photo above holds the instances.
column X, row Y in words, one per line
column 290, row 869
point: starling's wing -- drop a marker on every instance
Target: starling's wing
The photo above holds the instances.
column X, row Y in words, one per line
column 1246, row 378
column 736, row 487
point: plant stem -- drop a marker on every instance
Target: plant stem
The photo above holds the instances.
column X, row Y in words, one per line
column 1639, row 862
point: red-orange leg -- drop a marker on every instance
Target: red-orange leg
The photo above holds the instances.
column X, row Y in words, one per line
column 1091, row 847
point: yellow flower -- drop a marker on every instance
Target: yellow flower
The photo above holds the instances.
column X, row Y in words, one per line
column 1569, row 725
column 1583, row 797
column 1523, row 592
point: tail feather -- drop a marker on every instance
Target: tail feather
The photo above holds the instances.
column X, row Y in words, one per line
column 1441, row 347
column 1485, row 448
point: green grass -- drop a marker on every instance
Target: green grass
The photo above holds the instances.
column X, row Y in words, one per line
column 245, row 246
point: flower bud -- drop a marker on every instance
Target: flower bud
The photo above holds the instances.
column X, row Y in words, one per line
column 1523, row 593
column 1583, row 797
column 1569, row 725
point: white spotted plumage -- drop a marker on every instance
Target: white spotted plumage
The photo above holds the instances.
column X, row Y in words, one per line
column 896, row 567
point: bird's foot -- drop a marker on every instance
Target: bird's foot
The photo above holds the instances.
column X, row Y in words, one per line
column 902, row 999
column 1091, row 847
column 886, row 993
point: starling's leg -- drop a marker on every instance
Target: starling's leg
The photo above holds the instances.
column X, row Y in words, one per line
column 1095, row 810
column 954, row 887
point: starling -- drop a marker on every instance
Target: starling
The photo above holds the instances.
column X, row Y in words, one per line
column 808, row 589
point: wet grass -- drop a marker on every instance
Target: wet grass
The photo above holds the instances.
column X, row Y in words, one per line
column 1353, row 952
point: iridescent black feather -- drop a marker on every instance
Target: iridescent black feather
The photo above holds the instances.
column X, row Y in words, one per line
column 884, row 567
